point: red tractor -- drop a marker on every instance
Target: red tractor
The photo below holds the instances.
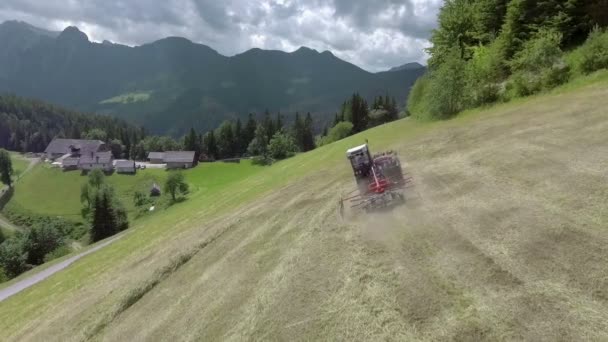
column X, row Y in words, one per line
column 380, row 180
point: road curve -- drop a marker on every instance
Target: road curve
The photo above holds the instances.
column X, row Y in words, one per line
column 40, row 276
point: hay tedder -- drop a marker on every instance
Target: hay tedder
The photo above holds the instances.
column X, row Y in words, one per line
column 380, row 181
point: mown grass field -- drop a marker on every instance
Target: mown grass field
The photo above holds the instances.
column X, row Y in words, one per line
column 19, row 164
column 50, row 191
column 503, row 237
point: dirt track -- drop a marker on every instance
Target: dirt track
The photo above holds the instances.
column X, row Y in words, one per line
column 503, row 238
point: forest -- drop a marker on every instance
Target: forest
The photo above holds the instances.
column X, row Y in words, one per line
column 28, row 125
column 486, row 51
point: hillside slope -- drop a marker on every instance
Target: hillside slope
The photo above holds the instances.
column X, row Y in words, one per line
column 502, row 238
column 173, row 84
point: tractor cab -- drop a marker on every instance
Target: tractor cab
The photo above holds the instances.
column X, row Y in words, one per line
column 360, row 160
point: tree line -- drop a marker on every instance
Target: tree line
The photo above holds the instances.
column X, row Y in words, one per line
column 485, row 51
column 356, row 116
column 28, row 125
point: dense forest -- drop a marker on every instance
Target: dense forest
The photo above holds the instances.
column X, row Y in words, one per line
column 29, row 125
column 486, row 51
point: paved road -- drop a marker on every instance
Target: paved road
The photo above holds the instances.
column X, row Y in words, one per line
column 40, row 276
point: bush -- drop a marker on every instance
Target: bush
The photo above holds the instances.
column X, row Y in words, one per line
column 282, row 146
column 261, row 160
column 417, row 102
column 3, row 276
column 41, row 240
column 176, row 184
column 57, row 253
column 593, row 54
column 13, row 257
column 484, row 73
column 446, row 93
column 340, row 131
column 538, row 66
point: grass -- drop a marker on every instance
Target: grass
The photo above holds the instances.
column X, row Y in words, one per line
column 128, row 98
column 39, row 191
column 19, row 164
column 502, row 238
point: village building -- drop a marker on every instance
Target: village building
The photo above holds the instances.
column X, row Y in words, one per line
column 125, row 166
column 59, row 148
column 179, row 159
column 173, row 159
column 156, row 157
column 96, row 160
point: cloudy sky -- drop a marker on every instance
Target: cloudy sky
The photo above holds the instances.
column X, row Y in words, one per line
column 373, row 34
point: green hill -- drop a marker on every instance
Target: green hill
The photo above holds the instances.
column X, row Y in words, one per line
column 186, row 84
column 502, row 238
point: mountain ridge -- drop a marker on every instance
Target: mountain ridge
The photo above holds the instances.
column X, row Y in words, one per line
column 187, row 84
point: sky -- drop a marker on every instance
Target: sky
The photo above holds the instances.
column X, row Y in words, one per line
column 373, row 34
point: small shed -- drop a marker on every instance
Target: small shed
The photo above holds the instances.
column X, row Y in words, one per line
column 156, row 157
column 179, row 159
column 125, row 166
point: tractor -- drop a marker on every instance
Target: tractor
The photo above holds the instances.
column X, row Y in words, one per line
column 379, row 178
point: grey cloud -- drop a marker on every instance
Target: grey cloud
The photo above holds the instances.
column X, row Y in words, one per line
column 355, row 30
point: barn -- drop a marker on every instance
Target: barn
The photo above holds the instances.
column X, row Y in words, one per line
column 96, row 160
column 179, row 159
column 125, row 166
column 156, row 157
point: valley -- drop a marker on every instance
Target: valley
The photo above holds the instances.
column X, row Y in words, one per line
column 493, row 243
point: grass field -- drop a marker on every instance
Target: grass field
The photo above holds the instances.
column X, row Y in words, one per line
column 128, row 98
column 50, row 191
column 19, row 164
column 503, row 237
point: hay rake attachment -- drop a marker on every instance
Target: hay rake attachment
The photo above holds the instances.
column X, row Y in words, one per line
column 380, row 180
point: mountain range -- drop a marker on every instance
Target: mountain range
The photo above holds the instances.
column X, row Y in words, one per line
column 173, row 84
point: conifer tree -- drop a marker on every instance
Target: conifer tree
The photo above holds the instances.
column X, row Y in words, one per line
column 308, row 140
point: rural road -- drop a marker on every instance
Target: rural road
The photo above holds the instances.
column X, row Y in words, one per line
column 40, row 276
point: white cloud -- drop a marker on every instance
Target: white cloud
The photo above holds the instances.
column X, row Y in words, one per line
column 375, row 35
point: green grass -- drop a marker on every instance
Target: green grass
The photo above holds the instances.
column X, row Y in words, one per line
column 128, row 98
column 19, row 164
column 52, row 192
column 502, row 234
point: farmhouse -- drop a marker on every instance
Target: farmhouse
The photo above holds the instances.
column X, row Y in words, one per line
column 179, row 159
column 73, row 147
column 156, row 157
column 96, row 160
column 173, row 159
column 125, row 166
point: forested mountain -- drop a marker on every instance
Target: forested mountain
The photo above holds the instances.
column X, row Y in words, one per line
column 29, row 125
column 173, row 84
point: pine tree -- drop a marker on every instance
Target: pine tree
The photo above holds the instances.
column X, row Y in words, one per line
column 249, row 131
column 238, row 138
column 269, row 125
column 225, row 140
column 6, row 167
column 336, row 120
column 210, row 145
column 104, row 221
column 298, row 132
column 359, row 113
column 279, row 123
column 308, row 140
